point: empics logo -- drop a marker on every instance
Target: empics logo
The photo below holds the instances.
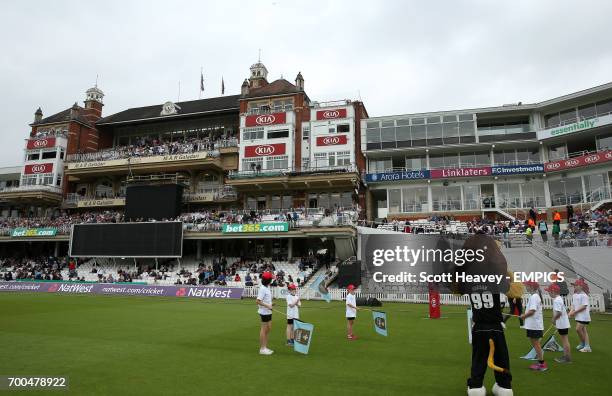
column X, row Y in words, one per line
column 267, row 119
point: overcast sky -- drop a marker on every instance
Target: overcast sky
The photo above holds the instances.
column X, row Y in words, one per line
column 398, row 56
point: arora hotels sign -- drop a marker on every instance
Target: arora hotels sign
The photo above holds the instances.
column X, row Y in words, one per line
column 454, row 172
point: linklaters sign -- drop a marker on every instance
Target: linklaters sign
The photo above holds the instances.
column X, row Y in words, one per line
column 574, row 127
column 33, row 232
column 256, row 227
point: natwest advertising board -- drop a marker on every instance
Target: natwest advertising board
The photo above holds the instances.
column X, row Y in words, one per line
column 588, row 159
column 262, row 150
column 331, row 114
column 331, row 140
column 38, row 168
column 266, row 119
column 460, row 172
column 34, row 144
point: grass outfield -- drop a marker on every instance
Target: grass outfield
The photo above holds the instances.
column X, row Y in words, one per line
column 144, row 345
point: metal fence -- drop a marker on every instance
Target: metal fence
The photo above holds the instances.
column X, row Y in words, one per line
column 596, row 300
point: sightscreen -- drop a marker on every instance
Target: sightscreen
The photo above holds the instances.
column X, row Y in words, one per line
column 154, row 239
column 159, row 202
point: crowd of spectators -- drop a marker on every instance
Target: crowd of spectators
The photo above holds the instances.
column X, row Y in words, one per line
column 202, row 220
column 62, row 221
column 38, row 268
column 150, row 146
column 221, row 272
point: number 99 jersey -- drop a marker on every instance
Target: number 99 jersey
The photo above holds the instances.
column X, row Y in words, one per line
column 486, row 310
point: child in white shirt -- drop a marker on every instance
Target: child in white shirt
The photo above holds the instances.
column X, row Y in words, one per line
column 264, row 308
column 561, row 322
column 351, row 311
column 534, row 323
column 580, row 311
column 293, row 312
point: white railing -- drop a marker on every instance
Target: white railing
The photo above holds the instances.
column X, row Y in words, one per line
column 74, row 198
column 214, row 193
column 331, row 103
column 596, row 300
column 270, row 109
column 170, row 148
column 292, row 171
column 33, row 187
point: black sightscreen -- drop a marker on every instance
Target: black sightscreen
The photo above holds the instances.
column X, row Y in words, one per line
column 159, row 202
column 349, row 273
column 155, row 239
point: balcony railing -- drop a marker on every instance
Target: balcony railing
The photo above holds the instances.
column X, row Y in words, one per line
column 575, row 120
column 581, row 153
column 211, row 194
column 33, row 187
column 173, row 148
column 297, row 171
column 269, row 110
column 74, row 199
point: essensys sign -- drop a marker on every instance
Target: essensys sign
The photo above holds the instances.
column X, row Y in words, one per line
column 331, row 140
column 265, row 119
column 255, row 228
column 263, row 150
column 331, row 114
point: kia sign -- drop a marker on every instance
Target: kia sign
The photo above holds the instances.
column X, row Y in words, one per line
column 588, row 159
column 266, row 119
column 460, row 172
column 34, row 144
column 38, row 168
column 332, row 140
column 331, row 114
column 263, row 150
